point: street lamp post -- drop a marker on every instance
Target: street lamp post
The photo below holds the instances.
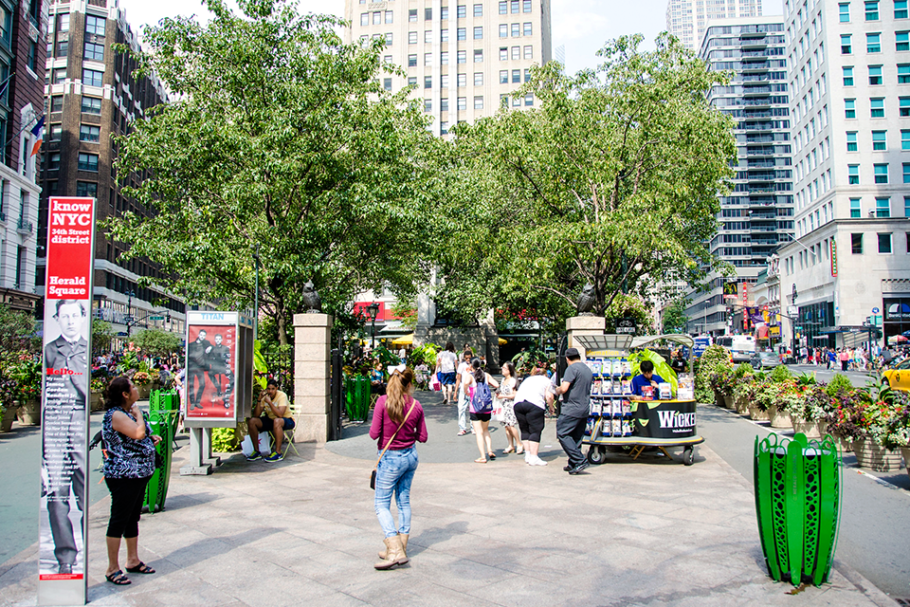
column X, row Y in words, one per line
column 793, row 296
column 373, row 311
column 129, row 310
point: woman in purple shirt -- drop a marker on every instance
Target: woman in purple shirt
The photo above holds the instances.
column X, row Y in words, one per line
column 396, row 468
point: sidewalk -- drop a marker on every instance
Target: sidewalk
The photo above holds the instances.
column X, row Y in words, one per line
column 303, row 531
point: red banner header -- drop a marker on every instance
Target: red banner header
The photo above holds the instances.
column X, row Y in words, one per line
column 69, row 252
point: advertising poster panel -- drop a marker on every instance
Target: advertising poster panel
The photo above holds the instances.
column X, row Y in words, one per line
column 65, row 416
column 211, row 366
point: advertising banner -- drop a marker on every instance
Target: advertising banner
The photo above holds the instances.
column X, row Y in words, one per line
column 65, row 418
column 211, row 366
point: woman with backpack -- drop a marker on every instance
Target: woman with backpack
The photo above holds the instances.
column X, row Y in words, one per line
column 478, row 393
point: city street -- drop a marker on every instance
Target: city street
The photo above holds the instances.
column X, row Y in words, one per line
column 858, row 378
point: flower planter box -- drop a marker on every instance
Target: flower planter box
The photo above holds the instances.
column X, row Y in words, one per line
column 810, row 429
column 741, row 404
column 728, row 401
column 30, row 413
column 872, row 456
column 905, row 451
column 846, row 445
column 779, row 419
column 145, row 391
column 718, row 398
column 9, row 416
column 96, row 402
column 757, row 414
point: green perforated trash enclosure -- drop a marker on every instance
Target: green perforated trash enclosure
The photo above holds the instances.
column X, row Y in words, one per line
column 164, row 408
column 797, row 502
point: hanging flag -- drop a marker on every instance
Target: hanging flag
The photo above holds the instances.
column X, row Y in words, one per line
column 38, row 131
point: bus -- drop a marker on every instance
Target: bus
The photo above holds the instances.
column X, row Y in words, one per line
column 741, row 347
column 701, row 344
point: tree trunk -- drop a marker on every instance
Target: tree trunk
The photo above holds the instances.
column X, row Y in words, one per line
column 282, row 322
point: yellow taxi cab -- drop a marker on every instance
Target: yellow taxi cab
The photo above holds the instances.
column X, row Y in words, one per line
column 898, row 376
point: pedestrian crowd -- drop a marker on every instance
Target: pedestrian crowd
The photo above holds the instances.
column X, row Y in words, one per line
column 848, row 359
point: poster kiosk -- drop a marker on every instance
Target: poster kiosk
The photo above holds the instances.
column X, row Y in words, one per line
column 219, row 380
column 617, row 421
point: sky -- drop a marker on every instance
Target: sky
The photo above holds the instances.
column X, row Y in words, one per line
column 583, row 26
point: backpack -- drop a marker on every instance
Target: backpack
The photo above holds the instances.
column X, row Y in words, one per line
column 482, row 401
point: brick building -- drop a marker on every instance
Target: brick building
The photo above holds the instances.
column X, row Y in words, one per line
column 92, row 97
column 22, row 26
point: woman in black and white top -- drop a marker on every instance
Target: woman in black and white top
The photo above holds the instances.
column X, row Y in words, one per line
column 480, row 421
column 130, row 462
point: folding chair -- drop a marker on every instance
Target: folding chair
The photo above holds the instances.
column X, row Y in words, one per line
column 288, row 434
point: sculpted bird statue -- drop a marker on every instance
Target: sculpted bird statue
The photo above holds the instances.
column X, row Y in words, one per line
column 586, row 300
column 311, row 299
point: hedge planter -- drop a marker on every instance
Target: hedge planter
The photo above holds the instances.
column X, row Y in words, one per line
column 9, row 416
column 741, row 403
column 96, row 403
column 30, row 413
column 810, row 429
column 779, row 419
column 757, row 414
column 872, row 456
column 728, row 401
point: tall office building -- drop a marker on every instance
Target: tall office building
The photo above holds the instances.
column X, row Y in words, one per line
column 21, row 100
column 757, row 216
column 850, row 101
column 465, row 60
column 688, row 19
column 93, row 95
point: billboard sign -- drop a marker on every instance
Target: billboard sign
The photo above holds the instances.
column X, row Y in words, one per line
column 66, row 375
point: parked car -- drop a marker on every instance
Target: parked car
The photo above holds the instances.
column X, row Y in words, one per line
column 898, row 376
column 764, row 360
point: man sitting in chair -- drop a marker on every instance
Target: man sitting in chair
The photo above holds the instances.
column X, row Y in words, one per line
column 273, row 403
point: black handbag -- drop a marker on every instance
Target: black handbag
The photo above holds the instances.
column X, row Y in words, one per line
column 373, row 474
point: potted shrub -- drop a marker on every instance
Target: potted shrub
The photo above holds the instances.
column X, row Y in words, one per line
column 896, row 434
column 810, row 412
column 96, row 399
column 713, row 359
column 787, row 397
column 744, row 377
column 27, row 374
column 143, row 382
column 863, row 421
column 722, row 383
column 8, row 404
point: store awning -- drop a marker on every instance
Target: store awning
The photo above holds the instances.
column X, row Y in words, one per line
column 502, row 341
column 407, row 340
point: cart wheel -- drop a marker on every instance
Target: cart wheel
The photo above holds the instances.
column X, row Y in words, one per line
column 689, row 456
column 596, row 455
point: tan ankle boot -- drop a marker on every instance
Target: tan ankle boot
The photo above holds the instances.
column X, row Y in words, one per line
column 404, row 547
column 394, row 554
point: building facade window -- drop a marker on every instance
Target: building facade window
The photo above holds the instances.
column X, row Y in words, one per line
column 903, row 73
column 850, row 108
column 478, row 55
column 88, row 162
column 87, row 189
column 881, row 173
column 478, row 102
column 875, row 75
column 848, row 76
column 877, row 106
column 883, row 208
column 856, row 209
column 900, row 9
column 844, row 10
column 851, row 143
column 872, row 10
column 853, row 174
column 478, row 78
column 879, row 141
column 902, row 41
column 846, row 46
column 884, row 242
column 92, row 77
column 478, row 32
column 873, row 43
column 94, row 25
column 90, row 133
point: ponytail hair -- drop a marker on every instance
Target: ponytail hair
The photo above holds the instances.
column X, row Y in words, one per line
column 480, row 376
column 398, row 394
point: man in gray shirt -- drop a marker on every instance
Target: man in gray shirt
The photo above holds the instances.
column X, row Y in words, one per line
column 573, row 416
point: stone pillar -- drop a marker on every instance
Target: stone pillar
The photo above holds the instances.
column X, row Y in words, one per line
column 312, row 357
column 584, row 325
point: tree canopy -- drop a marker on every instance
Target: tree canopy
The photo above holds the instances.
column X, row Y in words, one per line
column 612, row 181
column 280, row 144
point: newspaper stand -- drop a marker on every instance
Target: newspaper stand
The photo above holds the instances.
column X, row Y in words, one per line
column 616, row 421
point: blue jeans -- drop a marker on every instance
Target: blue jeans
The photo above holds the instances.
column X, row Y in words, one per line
column 395, row 473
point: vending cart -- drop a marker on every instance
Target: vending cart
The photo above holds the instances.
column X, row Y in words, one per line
column 667, row 420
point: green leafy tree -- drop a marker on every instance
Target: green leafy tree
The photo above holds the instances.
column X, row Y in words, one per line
column 155, row 342
column 675, row 319
column 102, row 334
column 280, row 144
column 406, row 311
column 612, row 182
